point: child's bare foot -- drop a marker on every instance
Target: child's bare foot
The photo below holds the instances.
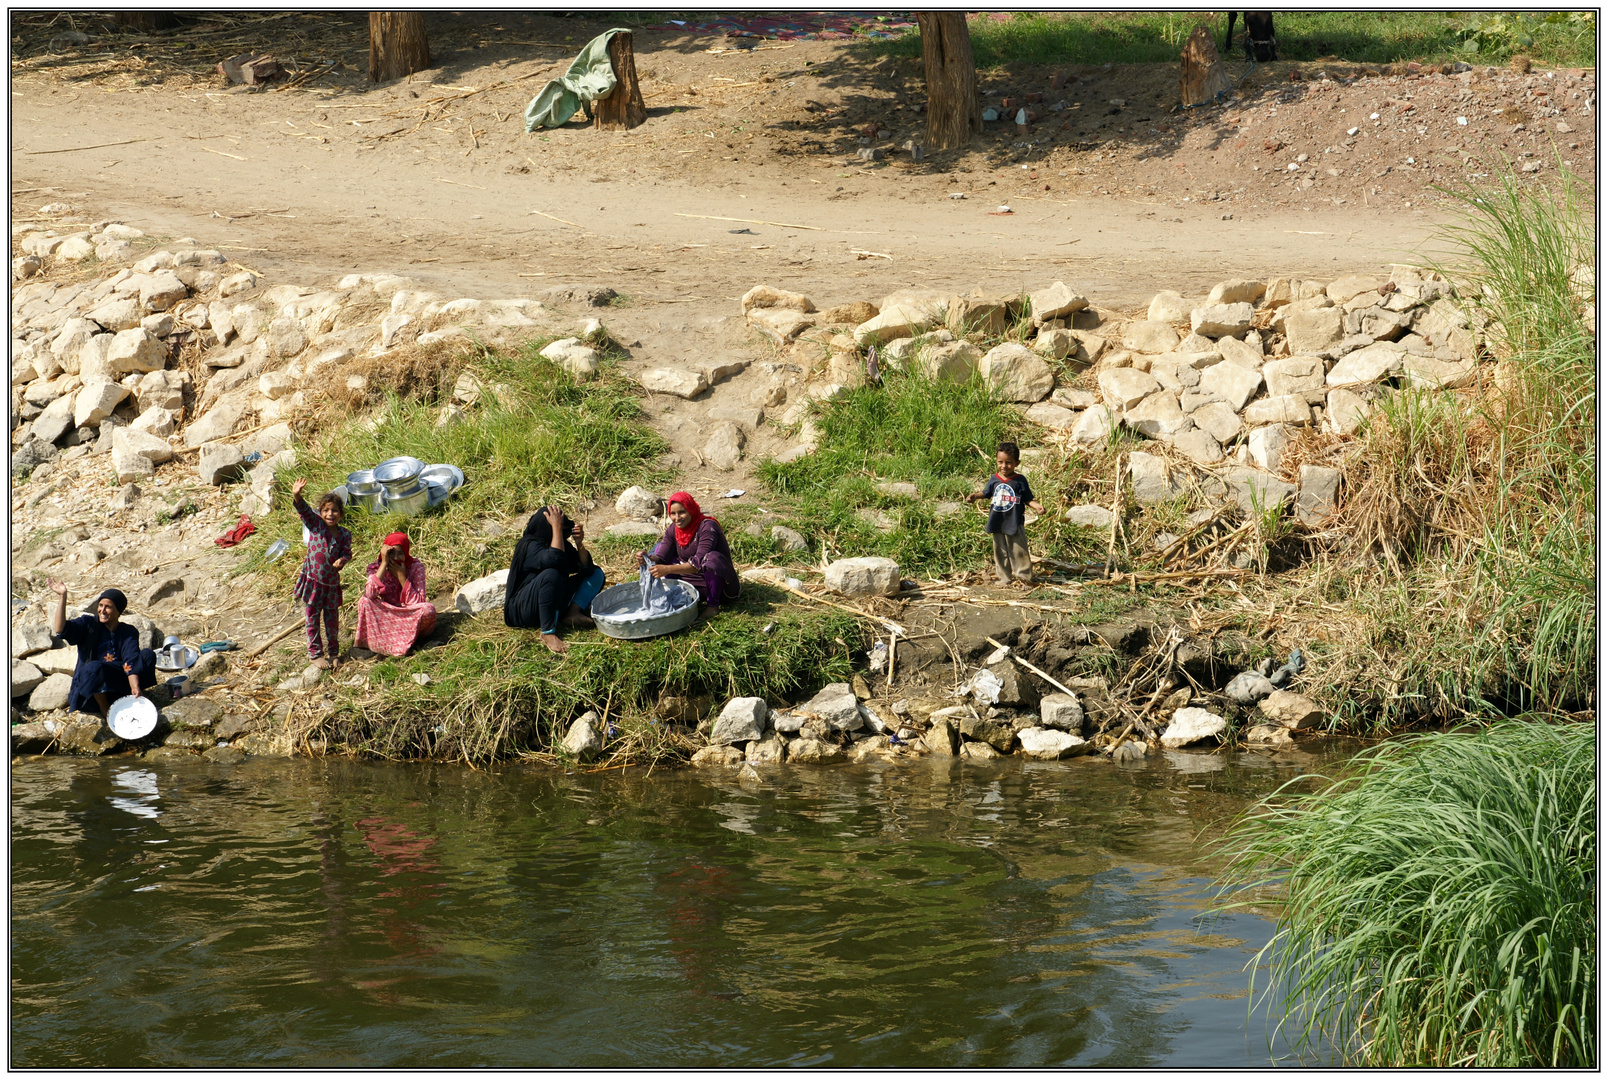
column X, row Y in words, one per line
column 555, row 644
column 322, row 662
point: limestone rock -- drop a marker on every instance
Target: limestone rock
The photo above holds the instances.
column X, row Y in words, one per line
column 90, row 737
column 1352, row 286
column 836, row 707
column 1199, row 446
column 763, row 296
column 51, row 693
column 1095, row 426
column 1235, row 351
column 1157, row 416
column 788, row 538
column 1016, row 689
column 209, row 665
column 28, row 639
column 582, row 739
column 639, row 502
column 1230, row 383
column 1051, row 416
column 1367, row 365
column 136, row 350
column 1015, row 373
column 1266, row 445
column 161, row 290
column 1318, row 494
column 781, row 325
column 997, row 735
column 1123, row 388
column 979, row 751
column 1221, row 320
column 1061, row 711
column 898, row 353
column 812, row 751
column 771, row 751
column 1438, row 374
column 218, row 422
column 136, row 454
column 1312, row 331
column 848, row 314
column 1048, row 744
column 1192, row 726
column 1152, row 481
column 1149, row 337
column 95, row 402
column 1055, row 343
column 865, row 576
column 1054, row 302
column 1094, row 517
column 725, row 446
column 955, row 362
column 25, row 677
column 1236, row 292
column 118, row 313
column 1344, row 411
column 675, row 381
column 220, row 463
column 743, row 719
column 482, row 594
column 1169, row 307
column 942, row 737
column 1293, row 375
column 1290, row 409
column 1255, row 491
column 1294, row 712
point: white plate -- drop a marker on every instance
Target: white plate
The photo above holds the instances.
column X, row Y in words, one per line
column 132, row 717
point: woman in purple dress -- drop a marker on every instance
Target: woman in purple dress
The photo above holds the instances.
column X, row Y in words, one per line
column 694, row 550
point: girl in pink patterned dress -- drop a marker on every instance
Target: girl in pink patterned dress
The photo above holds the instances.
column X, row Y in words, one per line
column 329, row 549
column 393, row 614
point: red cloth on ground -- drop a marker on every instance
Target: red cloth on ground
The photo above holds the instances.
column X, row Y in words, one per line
column 243, row 528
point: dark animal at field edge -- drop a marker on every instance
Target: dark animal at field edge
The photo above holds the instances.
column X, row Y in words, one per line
column 1260, row 46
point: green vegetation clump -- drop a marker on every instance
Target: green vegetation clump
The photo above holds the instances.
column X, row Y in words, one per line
column 1380, row 37
column 1480, row 506
column 1437, row 908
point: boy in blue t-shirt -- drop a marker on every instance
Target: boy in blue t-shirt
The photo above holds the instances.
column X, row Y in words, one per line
column 1008, row 492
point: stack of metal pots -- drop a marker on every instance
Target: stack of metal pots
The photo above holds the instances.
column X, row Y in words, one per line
column 405, row 493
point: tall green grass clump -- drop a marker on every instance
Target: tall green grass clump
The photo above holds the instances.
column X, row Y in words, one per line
column 1481, row 503
column 535, row 436
column 1437, row 907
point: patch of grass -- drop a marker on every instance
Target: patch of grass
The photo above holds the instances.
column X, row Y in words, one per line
column 496, row 691
column 1437, row 908
column 536, row 436
column 1480, row 506
column 1382, row 37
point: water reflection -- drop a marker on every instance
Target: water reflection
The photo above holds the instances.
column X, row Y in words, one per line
column 936, row 913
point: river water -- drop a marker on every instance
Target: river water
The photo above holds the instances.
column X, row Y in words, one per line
column 300, row 913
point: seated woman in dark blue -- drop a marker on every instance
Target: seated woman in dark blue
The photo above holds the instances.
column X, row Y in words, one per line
column 551, row 577
column 111, row 663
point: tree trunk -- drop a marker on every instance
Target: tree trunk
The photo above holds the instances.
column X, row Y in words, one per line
column 398, row 45
column 1201, row 75
column 954, row 114
column 623, row 108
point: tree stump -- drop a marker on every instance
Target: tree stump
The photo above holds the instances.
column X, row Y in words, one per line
column 1201, row 76
column 954, row 114
column 623, row 109
column 398, row 45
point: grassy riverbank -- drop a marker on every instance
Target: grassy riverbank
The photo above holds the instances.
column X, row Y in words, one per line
column 1436, row 908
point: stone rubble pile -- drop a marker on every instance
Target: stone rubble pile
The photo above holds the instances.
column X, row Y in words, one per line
column 1226, row 380
column 181, row 350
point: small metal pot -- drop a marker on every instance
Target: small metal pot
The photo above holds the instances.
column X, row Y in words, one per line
column 414, row 500
column 372, row 501
column 362, row 483
column 398, row 475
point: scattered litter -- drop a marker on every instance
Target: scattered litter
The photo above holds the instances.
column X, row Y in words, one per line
column 243, row 528
column 276, row 549
column 733, row 493
column 250, row 69
column 768, row 628
column 739, row 232
column 877, row 660
column 1001, row 212
column 957, row 194
column 985, row 687
column 421, row 678
column 1352, row 130
column 1462, row 121
column 1290, row 670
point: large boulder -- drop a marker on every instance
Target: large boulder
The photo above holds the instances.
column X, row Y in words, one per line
column 1221, row 320
column 742, row 720
column 51, row 694
column 24, row 678
column 1192, row 726
column 1295, row 712
column 864, row 576
column 1367, row 365
column 836, row 707
column 1230, row 383
column 1313, row 330
column 1015, row 373
column 95, row 402
column 1049, row 744
column 136, row 454
column 640, row 503
column 1061, row 711
column 951, row 362
column 1149, row 337
column 136, row 350
column 220, row 463
column 1123, row 388
column 482, row 594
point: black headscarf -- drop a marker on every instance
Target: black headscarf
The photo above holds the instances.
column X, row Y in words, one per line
column 538, row 538
column 120, row 601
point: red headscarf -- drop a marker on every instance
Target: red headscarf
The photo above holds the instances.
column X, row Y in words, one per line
column 396, row 540
column 684, row 537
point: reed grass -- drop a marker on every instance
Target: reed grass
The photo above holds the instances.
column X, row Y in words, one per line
column 1435, row 908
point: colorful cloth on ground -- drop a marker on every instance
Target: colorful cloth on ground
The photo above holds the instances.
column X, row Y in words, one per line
column 242, row 529
column 803, row 25
column 393, row 615
column 319, row 584
column 101, row 656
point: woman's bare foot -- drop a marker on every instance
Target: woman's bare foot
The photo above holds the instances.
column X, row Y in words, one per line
column 576, row 617
column 555, row 644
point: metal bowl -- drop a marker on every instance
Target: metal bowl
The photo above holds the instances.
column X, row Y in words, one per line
column 414, row 499
column 628, row 597
column 449, row 476
column 439, row 493
column 362, row 482
column 372, row 501
column 397, row 475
